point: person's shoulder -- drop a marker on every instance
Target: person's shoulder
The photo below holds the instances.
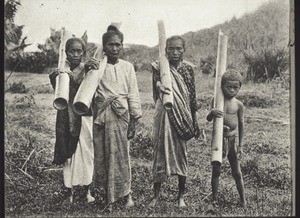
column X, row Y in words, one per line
column 155, row 65
column 81, row 66
column 126, row 64
column 123, row 62
column 188, row 64
column 239, row 103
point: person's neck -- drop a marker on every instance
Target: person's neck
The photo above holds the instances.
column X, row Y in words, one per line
column 175, row 63
column 73, row 66
column 112, row 61
column 227, row 98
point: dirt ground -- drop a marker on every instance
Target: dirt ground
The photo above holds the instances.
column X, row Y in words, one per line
column 35, row 187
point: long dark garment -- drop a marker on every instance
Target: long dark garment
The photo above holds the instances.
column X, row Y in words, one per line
column 68, row 123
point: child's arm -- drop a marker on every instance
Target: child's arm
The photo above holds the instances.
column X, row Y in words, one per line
column 213, row 112
column 241, row 129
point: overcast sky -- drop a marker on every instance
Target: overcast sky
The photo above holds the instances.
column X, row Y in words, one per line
column 138, row 17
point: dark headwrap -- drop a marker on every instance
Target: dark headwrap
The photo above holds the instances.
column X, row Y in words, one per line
column 74, row 39
column 175, row 38
column 111, row 31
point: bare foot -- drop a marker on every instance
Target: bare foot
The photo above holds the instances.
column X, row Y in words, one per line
column 181, row 203
column 109, row 208
column 215, row 203
column 68, row 201
column 243, row 203
column 90, row 198
column 153, row 202
column 129, row 202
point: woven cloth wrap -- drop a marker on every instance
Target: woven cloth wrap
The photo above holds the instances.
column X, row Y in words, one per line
column 116, row 104
column 228, row 140
column 180, row 114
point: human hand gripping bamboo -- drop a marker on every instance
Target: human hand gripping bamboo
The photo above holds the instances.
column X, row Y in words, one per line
column 91, row 64
column 131, row 128
column 197, row 130
column 162, row 88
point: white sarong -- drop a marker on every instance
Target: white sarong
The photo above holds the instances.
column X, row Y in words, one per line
column 78, row 170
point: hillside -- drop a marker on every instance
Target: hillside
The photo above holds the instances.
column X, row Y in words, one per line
column 263, row 30
column 266, row 27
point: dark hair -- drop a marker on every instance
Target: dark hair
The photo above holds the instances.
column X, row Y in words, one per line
column 74, row 39
column 175, row 38
column 112, row 31
column 231, row 75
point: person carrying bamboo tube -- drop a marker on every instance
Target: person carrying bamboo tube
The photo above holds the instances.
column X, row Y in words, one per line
column 173, row 128
column 116, row 107
column 74, row 143
column 233, row 116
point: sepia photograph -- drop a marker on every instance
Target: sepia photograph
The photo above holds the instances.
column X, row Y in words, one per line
column 149, row 108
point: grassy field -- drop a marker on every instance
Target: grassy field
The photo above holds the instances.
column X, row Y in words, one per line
column 33, row 186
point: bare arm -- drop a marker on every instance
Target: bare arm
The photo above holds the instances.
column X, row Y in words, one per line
column 241, row 124
column 214, row 112
column 209, row 116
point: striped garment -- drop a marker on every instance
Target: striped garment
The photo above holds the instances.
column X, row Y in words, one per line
column 180, row 114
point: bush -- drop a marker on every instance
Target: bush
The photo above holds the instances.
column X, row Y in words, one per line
column 17, row 87
column 253, row 100
column 208, row 64
column 34, row 62
column 266, row 64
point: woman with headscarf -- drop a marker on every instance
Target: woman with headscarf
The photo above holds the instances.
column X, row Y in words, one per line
column 116, row 108
column 74, row 142
column 174, row 127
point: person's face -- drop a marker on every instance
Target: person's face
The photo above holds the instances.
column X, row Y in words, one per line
column 112, row 47
column 75, row 53
column 175, row 50
column 231, row 88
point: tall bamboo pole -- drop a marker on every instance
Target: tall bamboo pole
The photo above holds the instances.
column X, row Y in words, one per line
column 217, row 135
column 87, row 88
column 61, row 96
column 164, row 66
column 293, row 101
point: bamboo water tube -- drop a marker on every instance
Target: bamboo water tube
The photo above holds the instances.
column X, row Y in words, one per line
column 61, row 96
column 217, row 134
column 84, row 96
column 164, row 66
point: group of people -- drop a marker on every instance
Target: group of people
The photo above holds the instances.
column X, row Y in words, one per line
column 95, row 147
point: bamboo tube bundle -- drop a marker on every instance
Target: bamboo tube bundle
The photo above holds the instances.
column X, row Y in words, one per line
column 61, row 96
column 164, row 66
column 84, row 96
column 217, row 134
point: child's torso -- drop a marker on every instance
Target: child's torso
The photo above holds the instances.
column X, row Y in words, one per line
column 231, row 113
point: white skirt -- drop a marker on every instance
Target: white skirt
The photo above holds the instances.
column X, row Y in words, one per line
column 78, row 170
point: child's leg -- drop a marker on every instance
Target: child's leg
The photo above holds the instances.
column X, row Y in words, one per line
column 181, row 186
column 237, row 173
column 216, row 171
column 157, row 186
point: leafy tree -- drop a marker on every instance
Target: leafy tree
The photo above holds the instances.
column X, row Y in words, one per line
column 12, row 32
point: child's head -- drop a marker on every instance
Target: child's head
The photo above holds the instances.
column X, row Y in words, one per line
column 231, row 83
